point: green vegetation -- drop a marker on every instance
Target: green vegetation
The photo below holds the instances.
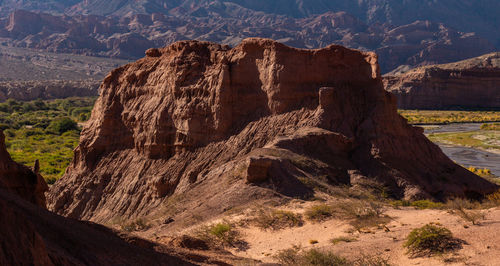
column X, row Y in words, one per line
column 277, row 219
column 495, row 126
column 446, row 117
column 477, row 139
column 44, row 130
column 419, row 204
column 295, row 256
column 429, row 240
column 220, row 234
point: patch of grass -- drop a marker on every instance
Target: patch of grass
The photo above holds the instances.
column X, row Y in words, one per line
column 319, row 212
column 277, row 219
column 419, row 204
column 341, row 239
column 477, row 139
column 430, row 240
column 445, row 117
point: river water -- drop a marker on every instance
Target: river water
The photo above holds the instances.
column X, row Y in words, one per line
column 464, row 155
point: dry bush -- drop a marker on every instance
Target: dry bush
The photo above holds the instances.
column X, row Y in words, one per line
column 277, row 219
column 431, row 239
column 137, row 225
column 467, row 210
column 340, row 239
column 319, row 212
column 363, row 214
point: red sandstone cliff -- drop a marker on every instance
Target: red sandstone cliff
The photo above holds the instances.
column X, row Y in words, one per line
column 216, row 127
column 472, row 83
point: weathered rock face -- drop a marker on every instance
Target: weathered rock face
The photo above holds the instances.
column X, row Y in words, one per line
column 223, row 127
column 472, row 83
column 31, row 235
column 19, row 179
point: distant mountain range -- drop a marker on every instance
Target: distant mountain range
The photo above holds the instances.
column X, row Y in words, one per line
column 410, row 32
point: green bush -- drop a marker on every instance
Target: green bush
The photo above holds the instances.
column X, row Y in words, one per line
column 430, row 239
column 61, row 125
column 313, row 257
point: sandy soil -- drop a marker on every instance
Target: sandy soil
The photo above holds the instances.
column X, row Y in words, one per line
column 482, row 241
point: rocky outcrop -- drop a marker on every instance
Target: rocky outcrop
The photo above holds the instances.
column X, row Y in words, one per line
column 185, row 124
column 32, row 235
column 471, row 83
column 416, row 42
column 19, row 179
column 51, row 89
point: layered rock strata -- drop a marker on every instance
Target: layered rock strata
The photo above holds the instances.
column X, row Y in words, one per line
column 216, row 127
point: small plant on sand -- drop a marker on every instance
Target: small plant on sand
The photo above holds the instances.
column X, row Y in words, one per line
column 319, row 213
column 429, row 240
column 363, row 213
column 340, row 239
column 295, row 257
column 219, row 234
column 277, row 219
column 137, row 225
column 466, row 210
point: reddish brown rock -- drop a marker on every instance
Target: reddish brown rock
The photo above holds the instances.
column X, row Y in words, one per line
column 180, row 127
column 31, row 235
column 471, row 83
column 19, row 179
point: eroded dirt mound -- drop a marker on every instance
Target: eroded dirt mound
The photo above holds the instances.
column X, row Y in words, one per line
column 471, row 83
column 215, row 127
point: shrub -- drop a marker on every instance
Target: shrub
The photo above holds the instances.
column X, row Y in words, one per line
column 319, row 212
column 363, row 213
column 59, row 126
column 427, row 204
column 137, row 225
column 294, row 256
column 219, row 234
column 430, row 239
column 465, row 209
column 277, row 219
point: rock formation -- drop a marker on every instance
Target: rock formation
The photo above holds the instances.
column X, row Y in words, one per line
column 472, row 83
column 31, row 235
column 216, row 127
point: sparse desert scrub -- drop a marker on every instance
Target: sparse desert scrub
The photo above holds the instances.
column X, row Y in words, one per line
column 419, row 204
column 295, row 256
column 467, row 210
column 430, row 239
column 220, row 234
column 277, row 219
column 494, row 126
column 138, row 225
column 319, row 212
column 363, row 214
